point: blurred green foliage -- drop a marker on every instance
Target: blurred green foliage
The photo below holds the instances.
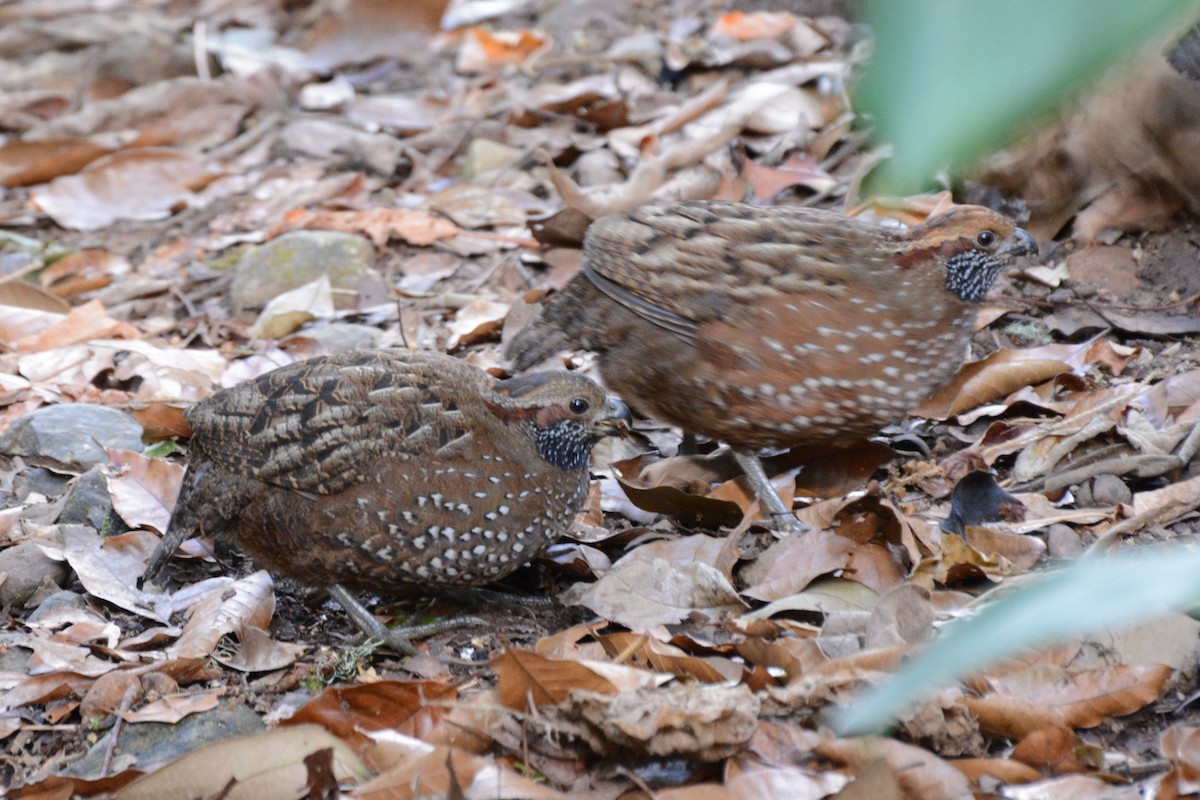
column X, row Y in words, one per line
column 952, row 79
column 1087, row 596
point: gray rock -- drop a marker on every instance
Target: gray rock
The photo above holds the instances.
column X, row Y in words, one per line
column 40, row 481
column 71, row 436
column 1109, row 490
column 152, row 744
column 1062, row 541
column 297, row 258
column 24, row 567
column 14, row 658
column 88, row 502
column 63, row 599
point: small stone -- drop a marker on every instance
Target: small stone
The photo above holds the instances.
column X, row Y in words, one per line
column 14, row 659
column 1109, row 490
column 294, row 259
column 56, row 601
column 88, row 501
column 1062, row 541
column 40, row 481
column 24, row 567
column 71, row 436
column 152, row 744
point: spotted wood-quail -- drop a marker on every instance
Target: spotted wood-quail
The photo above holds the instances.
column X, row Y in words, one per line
column 392, row 471
column 774, row 327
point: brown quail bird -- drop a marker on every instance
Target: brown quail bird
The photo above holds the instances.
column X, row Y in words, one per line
column 392, row 471
column 774, row 327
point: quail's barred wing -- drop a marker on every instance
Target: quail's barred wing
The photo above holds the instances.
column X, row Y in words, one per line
column 315, row 426
column 680, row 265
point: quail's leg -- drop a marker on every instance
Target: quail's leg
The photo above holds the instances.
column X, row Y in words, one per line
column 399, row 638
column 766, row 493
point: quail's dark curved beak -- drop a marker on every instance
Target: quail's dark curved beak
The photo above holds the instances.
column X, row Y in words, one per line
column 617, row 417
column 1025, row 245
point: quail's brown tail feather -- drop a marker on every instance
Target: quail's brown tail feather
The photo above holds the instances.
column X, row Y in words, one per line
column 563, row 325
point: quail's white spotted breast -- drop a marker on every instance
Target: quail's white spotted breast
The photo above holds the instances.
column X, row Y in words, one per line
column 392, row 470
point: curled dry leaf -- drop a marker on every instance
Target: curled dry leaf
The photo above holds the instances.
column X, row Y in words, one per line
column 529, row 680
column 378, row 224
column 288, row 312
column 143, row 489
column 348, row 712
column 419, row 770
column 1040, row 697
column 704, row 721
column 174, row 707
column 81, row 324
column 83, row 271
column 640, row 650
column 482, row 50
column 478, row 321
column 1181, row 744
column 25, row 163
column 745, row 26
column 665, row 498
column 643, row 593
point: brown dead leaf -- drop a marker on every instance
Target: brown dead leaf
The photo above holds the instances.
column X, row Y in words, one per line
column 1004, row 770
column 1050, row 749
column 412, row 708
column 139, row 184
column 996, row 546
column 378, row 224
column 415, row 770
column 642, row 593
column 143, row 489
column 482, row 50
column 174, row 707
column 82, row 324
column 472, row 206
column 1181, row 744
column 16, row 294
column 798, row 170
column 1046, row 697
column 640, row 650
column 663, row 498
column 919, row 772
column 161, row 421
column 478, row 321
column 527, row 680
column 992, row 378
column 109, row 568
column 83, row 271
column 746, row 26
column 25, row 163
column 262, row 766
column 796, row 564
column 703, row 721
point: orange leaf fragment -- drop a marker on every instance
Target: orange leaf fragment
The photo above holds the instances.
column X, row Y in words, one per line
column 746, row 26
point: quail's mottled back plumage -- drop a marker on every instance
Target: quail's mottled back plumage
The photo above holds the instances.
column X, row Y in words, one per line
column 390, row 471
column 775, row 327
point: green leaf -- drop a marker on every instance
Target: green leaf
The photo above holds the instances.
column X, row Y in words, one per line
column 950, row 79
column 1086, row 596
column 160, row 449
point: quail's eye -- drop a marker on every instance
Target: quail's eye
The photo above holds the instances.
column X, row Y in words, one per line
column 578, row 406
column 985, row 238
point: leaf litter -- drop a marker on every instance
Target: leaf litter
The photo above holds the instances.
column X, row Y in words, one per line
column 693, row 652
